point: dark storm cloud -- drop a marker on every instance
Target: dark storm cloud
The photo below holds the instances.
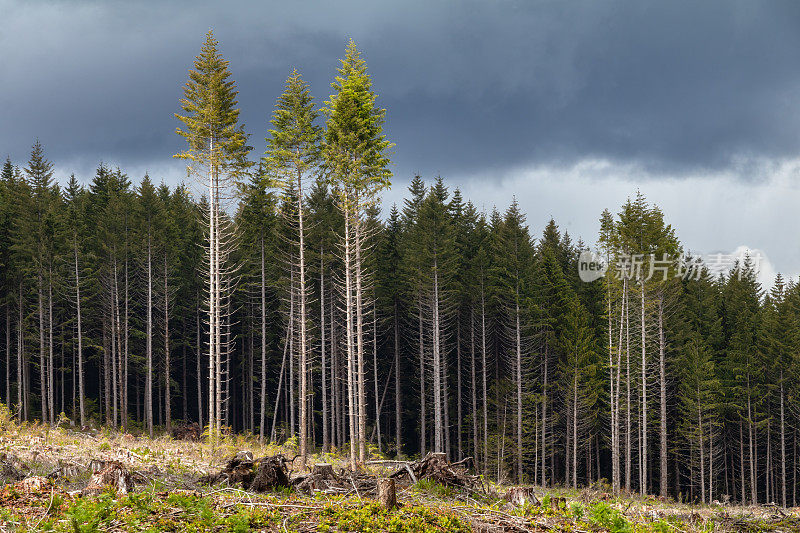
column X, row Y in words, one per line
column 470, row 87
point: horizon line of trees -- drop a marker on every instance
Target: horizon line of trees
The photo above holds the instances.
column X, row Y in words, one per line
column 281, row 303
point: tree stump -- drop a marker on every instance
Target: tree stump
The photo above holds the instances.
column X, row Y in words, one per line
column 519, row 496
column 113, row 475
column 9, row 469
column 387, row 493
column 270, row 475
column 33, row 484
column 96, row 465
column 323, row 470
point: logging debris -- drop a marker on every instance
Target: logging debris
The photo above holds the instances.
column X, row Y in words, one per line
column 436, row 467
column 259, row 475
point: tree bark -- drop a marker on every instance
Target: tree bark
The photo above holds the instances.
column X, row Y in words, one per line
column 398, row 413
column 42, row 348
column 423, row 419
column 662, row 374
column 387, row 494
column 437, row 368
column 484, row 379
column 303, row 340
column 362, row 391
column 643, row 456
column 167, row 369
column 783, row 447
column 199, row 370
column 519, row 387
column 378, row 403
column 148, row 402
column 326, row 438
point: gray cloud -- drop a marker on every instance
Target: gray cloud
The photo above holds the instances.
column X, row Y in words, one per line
column 668, row 95
column 674, row 86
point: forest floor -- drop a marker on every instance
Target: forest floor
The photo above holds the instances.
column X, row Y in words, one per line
column 44, row 474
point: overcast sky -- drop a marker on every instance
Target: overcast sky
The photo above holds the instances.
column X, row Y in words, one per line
column 569, row 106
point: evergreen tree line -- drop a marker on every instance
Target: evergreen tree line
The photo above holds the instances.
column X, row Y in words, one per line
column 283, row 304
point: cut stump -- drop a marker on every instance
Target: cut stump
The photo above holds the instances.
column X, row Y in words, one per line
column 387, row 493
column 114, row 475
column 10, row 468
column 270, row 474
column 323, row 470
column 519, row 496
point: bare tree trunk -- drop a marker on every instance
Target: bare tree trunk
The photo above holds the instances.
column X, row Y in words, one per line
column 753, row 486
column 51, row 359
column 473, row 384
column 783, row 447
column 362, row 391
column 519, row 387
column 125, row 347
column 375, row 372
column 199, row 370
column 484, row 378
column 326, row 438
column 662, row 374
column 20, row 360
column 575, row 430
column 303, row 340
column 629, row 402
column 643, row 457
column 116, row 351
column 459, row 411
column 741, row 463
column 423, row 419
column 437, row 367
column 614, row 426
column 42, row 359
column 81, row 387
column 167, row 370
column 106, row 389
column 336, row 409
column 272, row 435
column 700, row 444
column 8, row 355
column 710, row 463
column 398, row 414
column 219, row 383
column 263, row 343
column 615, row 454
column 148, row 402
column 291, row 404
column 213, row 303
column 350, row 348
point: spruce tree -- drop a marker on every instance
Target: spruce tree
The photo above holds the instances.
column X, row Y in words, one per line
column 355, row 155
column 292, row 153
column 216, row 153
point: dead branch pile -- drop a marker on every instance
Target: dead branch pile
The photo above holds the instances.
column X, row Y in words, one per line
column 322, row 478
column 436, row 467
column 260, row 475
column 191, row 432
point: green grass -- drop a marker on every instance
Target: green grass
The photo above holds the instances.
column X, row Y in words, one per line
column 372, row 518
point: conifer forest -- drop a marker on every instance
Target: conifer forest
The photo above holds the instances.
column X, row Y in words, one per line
column 277, row 295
